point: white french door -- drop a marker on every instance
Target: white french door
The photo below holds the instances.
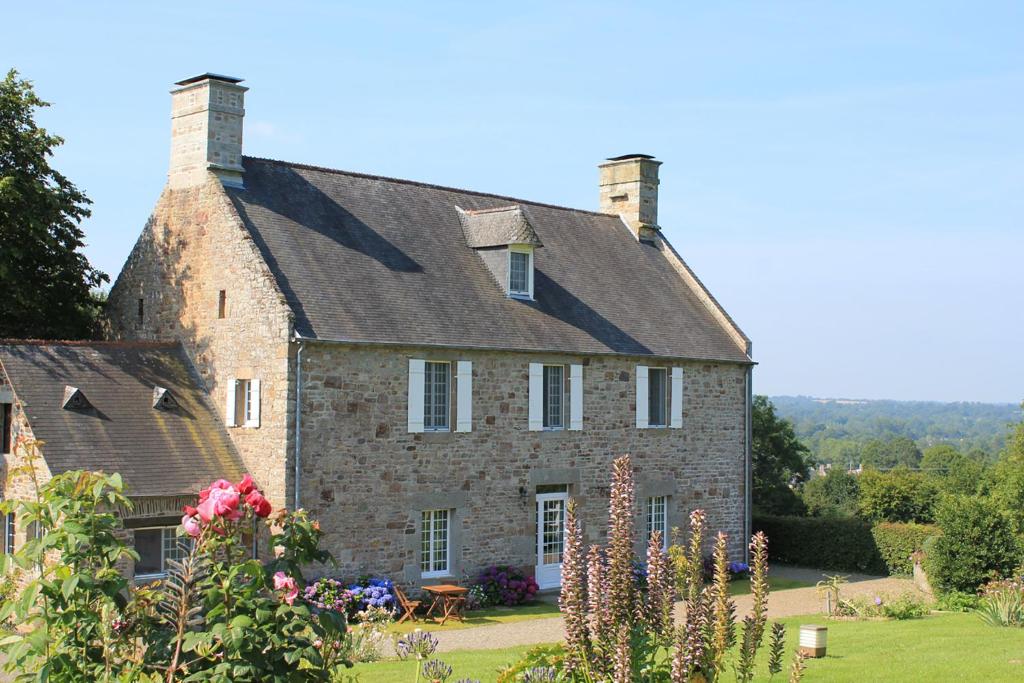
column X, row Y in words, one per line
column 550, row 538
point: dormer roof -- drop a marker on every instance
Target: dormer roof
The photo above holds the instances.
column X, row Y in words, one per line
column 497, row 227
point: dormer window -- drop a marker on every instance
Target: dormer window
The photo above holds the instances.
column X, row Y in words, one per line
column 505, row 239
column 520, row 271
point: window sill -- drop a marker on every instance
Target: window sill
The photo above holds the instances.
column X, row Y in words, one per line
column 434, row 576
column 520, row 296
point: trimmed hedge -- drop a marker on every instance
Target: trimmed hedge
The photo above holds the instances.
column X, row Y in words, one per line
column 897, row 542
column 840, row 543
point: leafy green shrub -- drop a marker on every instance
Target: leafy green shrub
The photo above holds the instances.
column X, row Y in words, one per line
column 977, row 544
column 541, row 656
column 957, row 601
column 834, row 495
column 845, row 544
column 897, row 542
column 897, row 496
column 903, row 606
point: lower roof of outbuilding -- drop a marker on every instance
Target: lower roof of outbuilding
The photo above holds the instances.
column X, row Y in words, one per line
column 172, row 450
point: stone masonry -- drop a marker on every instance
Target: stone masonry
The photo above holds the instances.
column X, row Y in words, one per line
column 192, row 248
column 367, row 479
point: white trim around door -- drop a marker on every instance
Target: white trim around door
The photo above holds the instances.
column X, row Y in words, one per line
column 551, row 509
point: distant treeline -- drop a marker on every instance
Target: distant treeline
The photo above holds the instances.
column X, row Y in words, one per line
column 837, row 430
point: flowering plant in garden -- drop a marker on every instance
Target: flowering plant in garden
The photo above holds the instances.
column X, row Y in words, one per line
column 374, row 592
column 505, row 585
column 1002, row 602
column 218, row 615
column 329, row 594
column 615, row 632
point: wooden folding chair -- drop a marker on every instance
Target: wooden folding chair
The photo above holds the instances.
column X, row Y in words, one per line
column 408, row 606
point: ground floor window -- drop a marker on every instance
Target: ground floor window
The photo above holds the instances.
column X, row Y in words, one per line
column 657, row 518
column 435, row 547
column 155, row 547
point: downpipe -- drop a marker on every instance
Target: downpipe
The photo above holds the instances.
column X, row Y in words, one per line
column 298, row 424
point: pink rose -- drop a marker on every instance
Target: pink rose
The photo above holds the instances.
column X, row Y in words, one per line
column 221, row 501
column 259, row 504
column 283, row 582
column 247, row 485
column 190, row 511
column 192, row 526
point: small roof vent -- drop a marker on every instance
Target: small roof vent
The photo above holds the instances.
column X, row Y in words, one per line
column 74, row 399
column 163, row 399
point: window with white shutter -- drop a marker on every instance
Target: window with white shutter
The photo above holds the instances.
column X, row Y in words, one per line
column 416, row 394
column 641, row 396
column 536, row 397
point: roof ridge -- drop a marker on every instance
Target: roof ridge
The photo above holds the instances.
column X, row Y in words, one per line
column 370, row 176
column 126, row 344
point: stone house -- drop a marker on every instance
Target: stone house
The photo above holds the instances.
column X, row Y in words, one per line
column 431, row 371
column 136, row 408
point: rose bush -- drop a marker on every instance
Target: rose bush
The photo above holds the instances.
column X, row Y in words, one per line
column 219, row 615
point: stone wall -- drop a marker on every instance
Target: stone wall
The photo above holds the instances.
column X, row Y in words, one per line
column 193, row 247
column 16, row 482
column 367, row 479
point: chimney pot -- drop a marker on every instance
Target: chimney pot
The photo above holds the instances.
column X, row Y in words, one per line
column 206, row 130
column 629, row 189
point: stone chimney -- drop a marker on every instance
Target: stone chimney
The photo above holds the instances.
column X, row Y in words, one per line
column 206, row 130
column 629, row 188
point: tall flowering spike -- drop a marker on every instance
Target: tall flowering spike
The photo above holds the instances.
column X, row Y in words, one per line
column 694, row 650
column 623, row 661
column 659, row 589
column 723, row 611
column 573, row 598
column 598, row 622
column 759, row 584
column 694, row 579
column 621, row 587
column 679, row 673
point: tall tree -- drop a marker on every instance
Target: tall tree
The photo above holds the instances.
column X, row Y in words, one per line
column 780, row 461
column 885, row 455
column 46, row 282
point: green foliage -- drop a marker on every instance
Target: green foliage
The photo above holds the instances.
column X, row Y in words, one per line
column 833, row 495
column 977, row 543
column 957, row 601
column 1002, row 603
column 779, row 461
column 46, row 281
column 844, row 544
column 69, row 610
column 884, row 454
column 897, row 496
column 903, row 606
column 897, row 543
column 219, row 615
column 541, row 656
column 1005, row 485
column 836, row 431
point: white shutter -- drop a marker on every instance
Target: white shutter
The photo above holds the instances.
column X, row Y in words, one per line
column 464, row 400
column 536, row 397
column 254, row 404
column 576, row 397
column 416, row 395
column 641, row 397
column 677, row 398
column 229, row 404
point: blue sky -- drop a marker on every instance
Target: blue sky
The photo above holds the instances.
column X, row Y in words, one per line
column 847, row 178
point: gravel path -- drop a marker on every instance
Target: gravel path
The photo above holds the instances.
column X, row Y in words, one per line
column 783, row 603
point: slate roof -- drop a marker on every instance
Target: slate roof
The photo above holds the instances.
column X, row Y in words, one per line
column 157, row 452
column 497, row 227
column 369, row 259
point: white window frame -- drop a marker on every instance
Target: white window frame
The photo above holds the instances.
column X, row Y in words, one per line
column 167, row 534
column 10, row 530
column 659, row 523
column 429, row 533
column 665, row 395
column 243, row 403
column 520, row 249
column 545, row 398
column 447, row 427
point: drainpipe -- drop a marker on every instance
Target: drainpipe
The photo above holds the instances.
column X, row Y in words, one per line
column 298, row 421
column 748, row 460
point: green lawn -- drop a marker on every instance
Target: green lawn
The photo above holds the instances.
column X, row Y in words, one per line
column 483, row 617
column 942, row 647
